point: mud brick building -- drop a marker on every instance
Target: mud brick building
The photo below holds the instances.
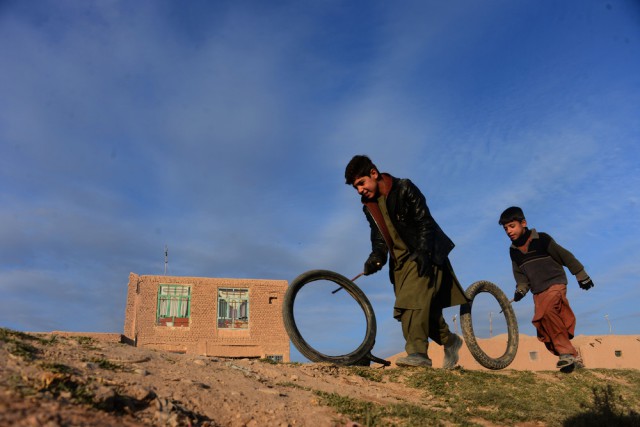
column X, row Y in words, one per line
column 207, row 316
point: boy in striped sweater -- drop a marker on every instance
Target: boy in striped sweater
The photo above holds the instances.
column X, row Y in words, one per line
column 538, row 265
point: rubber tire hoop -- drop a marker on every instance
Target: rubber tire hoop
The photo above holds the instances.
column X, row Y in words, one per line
column 356, row 357
column 363, row 352
column 466, row 325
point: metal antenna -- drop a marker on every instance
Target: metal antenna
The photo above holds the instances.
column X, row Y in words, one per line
column 166, row 259
column 455, row 325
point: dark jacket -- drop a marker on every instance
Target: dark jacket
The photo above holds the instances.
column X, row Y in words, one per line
column 410, row 216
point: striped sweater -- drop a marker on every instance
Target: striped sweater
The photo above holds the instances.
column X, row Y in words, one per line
column 540, row 263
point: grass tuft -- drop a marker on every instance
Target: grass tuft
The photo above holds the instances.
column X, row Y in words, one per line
column 64, row 384
column 371, row 414
column 57, row 368
column 86, row 342
column 106, row 364
column 371, row 374
column 609, row 408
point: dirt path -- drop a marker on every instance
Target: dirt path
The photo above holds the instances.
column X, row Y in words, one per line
column 44, row 380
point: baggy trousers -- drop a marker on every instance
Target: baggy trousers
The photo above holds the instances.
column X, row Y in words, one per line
column 420, row 324
column 554, row 320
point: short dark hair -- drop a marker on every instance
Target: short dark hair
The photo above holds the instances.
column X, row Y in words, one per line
column 359, row 166
column 513, row 213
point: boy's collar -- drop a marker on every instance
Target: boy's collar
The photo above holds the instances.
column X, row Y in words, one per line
column 522, row 240
column 385, row 184
column 533, row 235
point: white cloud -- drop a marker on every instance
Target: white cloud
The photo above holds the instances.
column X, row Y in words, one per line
column 223, row 132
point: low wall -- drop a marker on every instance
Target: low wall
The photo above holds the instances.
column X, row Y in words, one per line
column 98, row 336
column 597, row 351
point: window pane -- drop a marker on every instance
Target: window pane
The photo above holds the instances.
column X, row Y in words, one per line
column 233, row 308
column 174, row 301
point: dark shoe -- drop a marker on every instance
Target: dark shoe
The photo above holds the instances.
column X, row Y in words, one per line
column 451, row 350
column 576, row 366
column 565, row 360
column 414, row 359
column 568, row 369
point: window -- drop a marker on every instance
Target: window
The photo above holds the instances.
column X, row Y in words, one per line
column 174, row 305
column 233, row 308
column 618, row 353
column 533, row 355
column 275, row 357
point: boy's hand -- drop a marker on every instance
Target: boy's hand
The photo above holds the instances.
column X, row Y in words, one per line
column 372, row 265
column 586, row 284
column 518, row 296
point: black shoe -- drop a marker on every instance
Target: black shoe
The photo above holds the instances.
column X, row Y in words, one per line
column 565, row 360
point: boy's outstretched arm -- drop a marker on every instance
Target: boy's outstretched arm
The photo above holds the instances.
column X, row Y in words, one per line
column 566, row 258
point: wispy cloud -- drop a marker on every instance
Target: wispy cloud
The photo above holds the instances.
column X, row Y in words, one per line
column 222, row 130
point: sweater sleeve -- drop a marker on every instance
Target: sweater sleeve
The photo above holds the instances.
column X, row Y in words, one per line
column 563, row 257
column 522, row 283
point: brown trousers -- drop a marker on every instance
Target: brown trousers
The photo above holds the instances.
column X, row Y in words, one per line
column 554, row 320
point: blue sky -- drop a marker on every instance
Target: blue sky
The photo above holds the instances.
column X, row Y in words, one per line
column 222, row 129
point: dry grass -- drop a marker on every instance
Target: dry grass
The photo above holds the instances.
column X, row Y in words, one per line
column 582, row 398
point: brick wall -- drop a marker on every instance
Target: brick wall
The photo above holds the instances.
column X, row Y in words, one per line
column 265, row 336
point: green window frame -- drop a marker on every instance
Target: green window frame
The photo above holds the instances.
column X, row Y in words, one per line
column 233, row 308
column 174, row 305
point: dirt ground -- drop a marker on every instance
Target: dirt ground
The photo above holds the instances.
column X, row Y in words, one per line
column 59, row 381
column 54, row 381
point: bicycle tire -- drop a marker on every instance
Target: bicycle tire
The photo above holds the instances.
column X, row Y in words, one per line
column 364, row 349
column 467, row 326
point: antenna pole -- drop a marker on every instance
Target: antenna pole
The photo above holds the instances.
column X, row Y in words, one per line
column 606, row 316
column 166, row 259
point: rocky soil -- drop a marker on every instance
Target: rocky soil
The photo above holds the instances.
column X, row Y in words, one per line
column 48, row 380
column 54, row 381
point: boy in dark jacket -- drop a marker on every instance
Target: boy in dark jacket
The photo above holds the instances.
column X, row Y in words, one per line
column 538, row 265
column 419, row 268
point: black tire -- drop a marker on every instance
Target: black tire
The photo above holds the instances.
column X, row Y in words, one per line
column 467, row 326
column 363, row 352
